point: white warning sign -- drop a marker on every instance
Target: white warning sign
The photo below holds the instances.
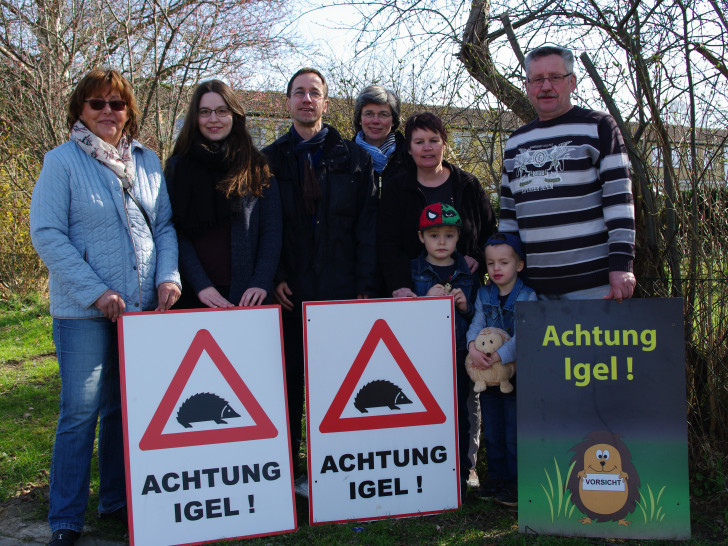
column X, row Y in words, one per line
column 206, row 446
column 382, row 432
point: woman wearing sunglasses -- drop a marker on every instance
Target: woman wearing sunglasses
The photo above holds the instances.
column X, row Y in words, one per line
column 100, row 219
column 226, row 205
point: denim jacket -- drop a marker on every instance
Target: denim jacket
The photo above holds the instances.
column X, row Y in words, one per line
column 424, row 278
column 488, row 312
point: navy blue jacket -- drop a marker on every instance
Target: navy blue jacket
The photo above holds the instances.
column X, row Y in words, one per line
column 424, row 278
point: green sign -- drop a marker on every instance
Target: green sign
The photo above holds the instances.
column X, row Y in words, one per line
column 602, row 419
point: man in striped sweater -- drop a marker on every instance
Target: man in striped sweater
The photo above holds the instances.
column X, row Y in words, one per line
column 566, row 190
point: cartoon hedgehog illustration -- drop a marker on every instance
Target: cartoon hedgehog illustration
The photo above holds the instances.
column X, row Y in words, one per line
column 604, row 483
column 205, row 406
column 379, row 393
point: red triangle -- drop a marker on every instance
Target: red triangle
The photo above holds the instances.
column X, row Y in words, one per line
column 333, row 422
column 153, row 437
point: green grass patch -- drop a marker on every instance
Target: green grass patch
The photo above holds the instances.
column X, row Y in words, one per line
column 29, row 406
column 650, row 505
column 557, row 496
column 25, row 329
column 29, row 393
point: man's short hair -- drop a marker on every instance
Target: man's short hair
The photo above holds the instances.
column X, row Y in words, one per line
column 545, row 51
column 307, row 70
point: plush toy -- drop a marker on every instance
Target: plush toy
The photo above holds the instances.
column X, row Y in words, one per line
column 488, row 341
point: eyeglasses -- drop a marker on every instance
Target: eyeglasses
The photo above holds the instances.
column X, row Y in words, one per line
column 371, row 115
column 553, row 80
column 221, row 112
column 100, row 104
column 314, row 94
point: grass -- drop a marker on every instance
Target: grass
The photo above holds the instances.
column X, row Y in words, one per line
column 29, row 387
column 650, row 506
column 25, row 329
column 29, row 393
column 559, row 499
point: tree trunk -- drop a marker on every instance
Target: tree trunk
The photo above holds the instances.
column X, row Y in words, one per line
column 475, row 56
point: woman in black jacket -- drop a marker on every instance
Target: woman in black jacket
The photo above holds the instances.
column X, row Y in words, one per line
column 225, row 203
column 430, row 179
column 376, row 120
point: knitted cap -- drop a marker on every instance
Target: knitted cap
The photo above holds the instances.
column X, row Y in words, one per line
column 439, row 214
column 509, row 239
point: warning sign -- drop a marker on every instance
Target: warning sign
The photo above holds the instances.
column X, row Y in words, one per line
column 381, row 393
column 206, row 446
column 382, row 432
column 602, row 435
column 205, row 406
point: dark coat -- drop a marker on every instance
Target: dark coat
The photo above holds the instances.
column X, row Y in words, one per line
column 399, row 216
column 336, row 257
column 399, row 163
column 425, row 277
column 255, row 245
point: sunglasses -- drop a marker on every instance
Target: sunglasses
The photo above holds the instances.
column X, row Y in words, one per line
column 100, row 104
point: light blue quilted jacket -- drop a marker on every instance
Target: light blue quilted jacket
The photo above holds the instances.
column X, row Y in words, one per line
column 93, row 237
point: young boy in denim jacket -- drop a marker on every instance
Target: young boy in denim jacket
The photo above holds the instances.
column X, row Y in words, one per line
column 495, row 306
column 440, row 271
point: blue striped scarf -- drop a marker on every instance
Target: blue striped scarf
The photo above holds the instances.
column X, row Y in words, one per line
column 380, row 155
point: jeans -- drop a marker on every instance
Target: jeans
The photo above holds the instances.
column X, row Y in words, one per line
column 475, row 424
column 499, row 433
column 88, row 361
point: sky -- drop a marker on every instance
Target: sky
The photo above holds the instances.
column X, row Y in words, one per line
column 315, row 29
column 329, row 46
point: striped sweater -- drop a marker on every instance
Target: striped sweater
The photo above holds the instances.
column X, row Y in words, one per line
column 566, row 190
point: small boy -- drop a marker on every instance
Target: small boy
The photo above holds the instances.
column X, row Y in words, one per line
column 440, row 271
column 495, row 306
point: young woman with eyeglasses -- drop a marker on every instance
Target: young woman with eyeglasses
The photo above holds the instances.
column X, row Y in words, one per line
column 226, row 205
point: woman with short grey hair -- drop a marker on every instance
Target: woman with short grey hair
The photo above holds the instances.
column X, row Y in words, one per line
column 376, row 119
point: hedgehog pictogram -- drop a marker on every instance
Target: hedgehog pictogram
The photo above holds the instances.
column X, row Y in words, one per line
column 379, row 393
column 205, row 406
column 602, row 456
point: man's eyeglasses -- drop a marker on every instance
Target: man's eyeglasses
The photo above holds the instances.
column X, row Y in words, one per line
column 553, row 80
column 221, row 112
column 314, row 94
column 100, row 104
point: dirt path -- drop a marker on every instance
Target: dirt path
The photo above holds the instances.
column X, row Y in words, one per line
column 19, row 526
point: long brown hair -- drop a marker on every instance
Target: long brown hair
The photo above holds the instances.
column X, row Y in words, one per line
column 249, row 173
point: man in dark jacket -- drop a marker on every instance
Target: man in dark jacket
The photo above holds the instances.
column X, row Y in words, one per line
column 329, row 217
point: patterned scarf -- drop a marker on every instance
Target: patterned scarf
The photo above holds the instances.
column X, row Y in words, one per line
column 381, row 154
column 118, row 159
